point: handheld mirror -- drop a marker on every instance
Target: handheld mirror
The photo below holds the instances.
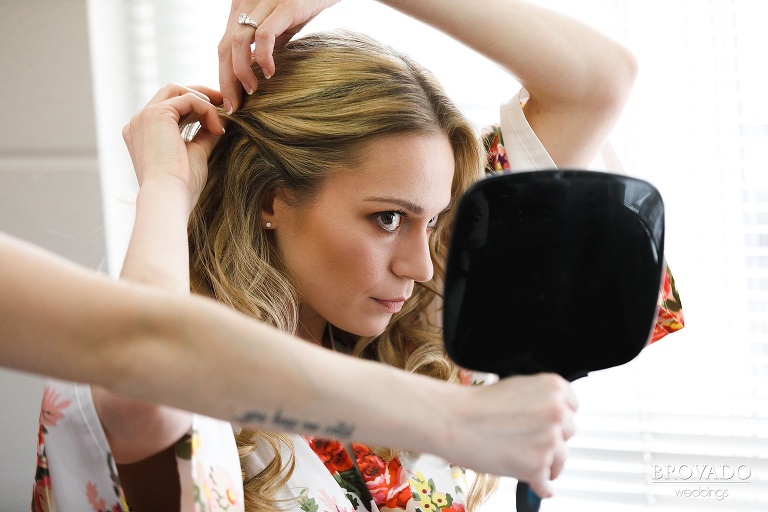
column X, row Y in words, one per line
column 553, row 271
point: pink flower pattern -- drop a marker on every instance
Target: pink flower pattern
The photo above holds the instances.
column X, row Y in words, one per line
column 52, row 409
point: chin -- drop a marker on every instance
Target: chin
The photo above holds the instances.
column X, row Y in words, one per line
column 369, row 328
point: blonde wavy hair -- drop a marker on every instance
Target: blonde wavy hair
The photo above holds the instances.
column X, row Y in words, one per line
column 332, row 93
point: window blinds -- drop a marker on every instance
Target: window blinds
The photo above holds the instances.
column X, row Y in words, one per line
column 684, row 427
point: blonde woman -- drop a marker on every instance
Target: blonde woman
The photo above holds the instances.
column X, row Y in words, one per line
column 324, row 211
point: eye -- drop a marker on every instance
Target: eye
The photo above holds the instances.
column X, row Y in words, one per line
column 432, row 222
column 389, row 221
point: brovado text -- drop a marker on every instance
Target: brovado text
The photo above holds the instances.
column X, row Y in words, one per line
column 701, row 473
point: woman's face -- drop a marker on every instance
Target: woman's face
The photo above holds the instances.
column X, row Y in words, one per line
column 356, row 251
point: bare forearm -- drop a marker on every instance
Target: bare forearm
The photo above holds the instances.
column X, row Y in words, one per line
column 230, row 365
column 59, row 320
column 195, row 354
column 45, row 304
column 532, row 42
column 157, row 254
column 578, row 79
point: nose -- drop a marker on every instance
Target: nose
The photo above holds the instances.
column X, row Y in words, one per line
column 412, row 258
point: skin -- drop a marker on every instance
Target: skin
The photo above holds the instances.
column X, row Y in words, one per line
column 357, row 249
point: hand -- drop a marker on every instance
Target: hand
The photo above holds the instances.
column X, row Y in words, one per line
column 518, row 427
column 156, row 146
column 278, row 21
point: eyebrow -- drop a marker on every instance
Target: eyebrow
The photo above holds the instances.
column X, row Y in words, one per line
column 404, row 204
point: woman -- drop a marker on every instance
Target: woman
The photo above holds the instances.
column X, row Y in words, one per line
column 324, row 211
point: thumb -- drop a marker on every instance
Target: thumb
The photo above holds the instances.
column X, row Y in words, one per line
column 198, row 151
column 205, row 142
column 541, row 488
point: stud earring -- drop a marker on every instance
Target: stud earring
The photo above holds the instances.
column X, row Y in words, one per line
column 269, row 225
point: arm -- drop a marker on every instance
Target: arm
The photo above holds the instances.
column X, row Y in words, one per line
column 194, row 354
column 578, row 79
column 170, row 175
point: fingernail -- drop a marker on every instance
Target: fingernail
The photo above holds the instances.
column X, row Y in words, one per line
column 228, row 106
column 267, row 76
column 223, row 131
column 248, row 89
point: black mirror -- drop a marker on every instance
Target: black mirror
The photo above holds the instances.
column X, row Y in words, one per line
column 555, row 271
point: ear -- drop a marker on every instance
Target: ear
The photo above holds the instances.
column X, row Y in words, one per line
column 275, row 204
column 268, row 207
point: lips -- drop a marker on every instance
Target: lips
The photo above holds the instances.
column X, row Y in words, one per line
column 391, row 305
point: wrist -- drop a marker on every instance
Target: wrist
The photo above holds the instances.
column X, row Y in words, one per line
column 168, row 193
column 444, row 412
column 158, row 251
column 455, row 405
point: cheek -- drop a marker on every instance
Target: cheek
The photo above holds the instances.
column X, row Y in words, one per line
column 330, row 261
column 354, row 260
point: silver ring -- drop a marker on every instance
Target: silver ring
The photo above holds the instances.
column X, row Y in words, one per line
column 244, row 19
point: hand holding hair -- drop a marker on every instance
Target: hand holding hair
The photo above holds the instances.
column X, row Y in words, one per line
column 242, row 44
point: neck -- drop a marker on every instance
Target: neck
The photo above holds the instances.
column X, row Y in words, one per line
column 312, row 326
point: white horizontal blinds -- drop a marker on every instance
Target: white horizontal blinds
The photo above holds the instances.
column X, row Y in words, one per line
column 753, row 167
column 667, row 431
column 136, row 47
column 123, row 64
column 187, row 34
column 174, row 41
column 753, row 128
column 143, row 50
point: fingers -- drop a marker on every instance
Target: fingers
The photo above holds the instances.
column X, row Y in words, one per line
column 564, row 399
column 570, row 397
column 281, row 21
column 242, row 45
column 273, row 21
column 152, row 134
column 546, row 457
column 558, row 461
column 240, row 48
column 551, row 461
column 203, row 144
column 542, row 488
column 228, row 82
column 190, row 103
column 235, row 72
column 562, row 427
column 568, row 425
column 547, row 407
column 170, row 90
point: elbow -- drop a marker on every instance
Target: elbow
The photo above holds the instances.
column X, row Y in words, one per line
column 625, row 75
column 612, row 83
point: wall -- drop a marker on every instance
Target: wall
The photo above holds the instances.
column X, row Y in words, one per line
column 49, row 183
